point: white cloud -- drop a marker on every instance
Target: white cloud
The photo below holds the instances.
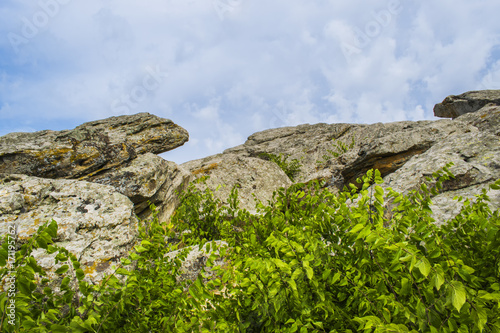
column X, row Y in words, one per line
column 246, row 67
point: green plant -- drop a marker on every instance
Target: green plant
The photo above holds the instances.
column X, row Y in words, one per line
column 291, row 168
column 309, row 261
column 340, row 148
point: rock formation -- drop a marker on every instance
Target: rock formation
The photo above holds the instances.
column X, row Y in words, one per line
column 90, row 148
column 110, row 171
column 405, row 152
column 93, row 181
column 117, row 151
column 250, row 175
column 95, row 222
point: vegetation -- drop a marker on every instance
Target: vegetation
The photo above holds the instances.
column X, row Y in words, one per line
column 340, row 148
column 313, row 262
column 291, row 168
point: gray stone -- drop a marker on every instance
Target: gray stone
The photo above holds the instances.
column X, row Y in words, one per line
column 255, row 179
column 95, row 222
column 148, row 179
column 90, row 148
column 476, row 158
column 457, row 105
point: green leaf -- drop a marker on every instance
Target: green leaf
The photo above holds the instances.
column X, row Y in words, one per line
column 438, row 277
column 357, row 228
column 405, row 286
column 490, row 297
column 309, row 272
column 123, row 271
column 480, row 317
column 457, row 293
column 59, row 329
column 424, row 266
column 63, row 269
column 80, row 274
column 140, row 249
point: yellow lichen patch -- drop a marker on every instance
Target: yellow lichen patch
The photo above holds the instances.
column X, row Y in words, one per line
column 96, row 266
column 489, row 114
column 53, row 154
column 204, row 170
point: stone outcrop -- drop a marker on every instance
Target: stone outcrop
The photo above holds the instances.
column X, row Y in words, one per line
column 457, row 105
column 95, row 222
column 476, row 157
column 114, row 171
column 93, row 180
column 90, row 148
column 254, row 178
column 405, row 152
column 117, row 151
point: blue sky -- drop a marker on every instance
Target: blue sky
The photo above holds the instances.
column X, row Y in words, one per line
column 224, row 69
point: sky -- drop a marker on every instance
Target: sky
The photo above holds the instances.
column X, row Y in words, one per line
column 225, row 69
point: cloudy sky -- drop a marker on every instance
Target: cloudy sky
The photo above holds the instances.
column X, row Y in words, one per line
column 224, row 69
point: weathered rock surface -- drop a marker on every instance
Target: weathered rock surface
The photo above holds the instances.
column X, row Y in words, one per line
column 90, row 148
column 405, row 152
column 250, row 175
column 148, row 178
column 476, row 158
column 457, row 105
column 95, row 222
column 383, row 146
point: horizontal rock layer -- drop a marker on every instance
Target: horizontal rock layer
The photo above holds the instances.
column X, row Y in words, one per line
column 90, row 148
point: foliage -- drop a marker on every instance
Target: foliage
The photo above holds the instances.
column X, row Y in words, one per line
column 291, row 168
column 340, row 149
column 314, row 262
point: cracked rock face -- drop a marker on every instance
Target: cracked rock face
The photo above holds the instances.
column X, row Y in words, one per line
column 95, row 222
column 90, row 148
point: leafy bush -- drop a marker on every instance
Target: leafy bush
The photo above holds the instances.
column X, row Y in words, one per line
column 340, row 149
column 313, row 262
column 291, row 168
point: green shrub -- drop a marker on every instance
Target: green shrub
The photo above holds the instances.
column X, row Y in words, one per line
column 340, row 149
column 314, row 262
column 291, row 168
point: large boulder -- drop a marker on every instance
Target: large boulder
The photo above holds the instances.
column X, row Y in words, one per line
column 148, row 179
column 457, row 105
column 90, row 148
column 96, row 223
column 387, row 147
column 255, row 179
